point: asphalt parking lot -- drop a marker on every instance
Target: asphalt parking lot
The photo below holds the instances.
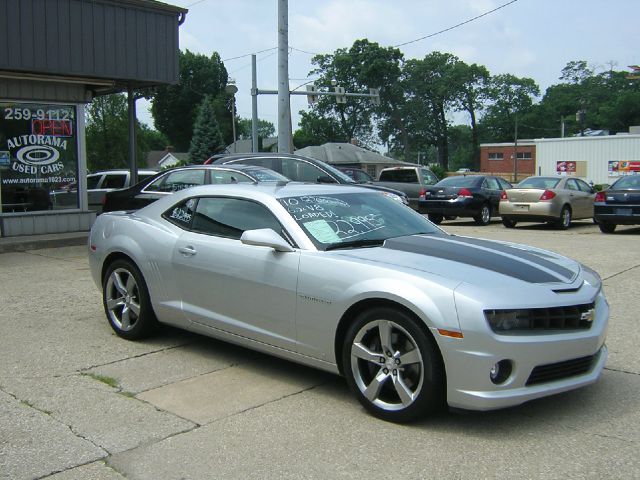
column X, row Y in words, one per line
column 77, row 402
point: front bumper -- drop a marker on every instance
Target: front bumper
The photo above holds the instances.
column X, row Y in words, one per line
column 469, row 360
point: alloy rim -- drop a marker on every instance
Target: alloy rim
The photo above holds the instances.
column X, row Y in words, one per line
column 387, row 365
column 566, row 218
column 122, row 299
column 485, row 214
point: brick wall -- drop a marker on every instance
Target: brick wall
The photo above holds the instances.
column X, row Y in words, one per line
column 505, row 165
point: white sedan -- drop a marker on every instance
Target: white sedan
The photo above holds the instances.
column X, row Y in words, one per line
column 346, row 280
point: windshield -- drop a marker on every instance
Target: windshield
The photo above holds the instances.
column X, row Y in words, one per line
column 344, row 220
column 459, row 181
column 631, row 182
column 539, row 182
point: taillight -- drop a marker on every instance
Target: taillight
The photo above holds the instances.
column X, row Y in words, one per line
column 503, row 196
column 600, row 197
column 547, row 195
column 423, row 193
column 103, row 200
column 464, row 192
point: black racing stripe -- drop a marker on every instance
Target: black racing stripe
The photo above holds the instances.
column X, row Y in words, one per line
column 469, row 255
column 518, row 252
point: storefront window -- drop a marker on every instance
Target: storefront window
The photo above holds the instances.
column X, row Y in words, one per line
column 38, row 157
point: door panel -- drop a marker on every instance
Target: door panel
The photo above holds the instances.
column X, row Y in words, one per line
column 242, row 289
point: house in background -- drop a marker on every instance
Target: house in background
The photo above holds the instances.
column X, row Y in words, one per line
column 159, row 159
column 349, row 155
column 269, row 144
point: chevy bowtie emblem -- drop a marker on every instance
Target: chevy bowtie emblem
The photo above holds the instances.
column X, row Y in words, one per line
column 588, row 316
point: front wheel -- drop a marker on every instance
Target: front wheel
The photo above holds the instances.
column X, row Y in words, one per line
column 607, row 227
column 484, row 217
column 126, row 301
column 393, row 366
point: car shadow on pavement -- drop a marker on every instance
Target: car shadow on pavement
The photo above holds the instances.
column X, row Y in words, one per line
column 596, row 408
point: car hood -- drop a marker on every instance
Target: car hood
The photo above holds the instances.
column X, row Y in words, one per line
column 472, row 260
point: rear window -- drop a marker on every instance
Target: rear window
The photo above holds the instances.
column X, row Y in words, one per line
column 539, row 182
column 459, row 182
column 408, row 175
column 631, row 182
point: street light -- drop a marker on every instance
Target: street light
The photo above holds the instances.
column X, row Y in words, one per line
column 231, row 89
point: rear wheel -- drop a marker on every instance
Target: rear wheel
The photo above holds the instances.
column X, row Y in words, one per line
column 607, row 227
column 484, row 217
column 435, row 218
column 564, row 221
column 393, row 366
column 126, row 301
column 507, row 222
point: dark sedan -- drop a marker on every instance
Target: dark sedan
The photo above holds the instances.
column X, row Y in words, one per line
column 170, row 181
column 619, row 204
column 476, row 196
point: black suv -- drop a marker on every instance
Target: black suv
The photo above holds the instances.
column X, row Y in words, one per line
column 300, row 169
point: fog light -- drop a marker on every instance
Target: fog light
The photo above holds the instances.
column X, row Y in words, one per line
column 500, row 371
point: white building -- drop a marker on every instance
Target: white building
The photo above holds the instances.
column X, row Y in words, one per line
column 598, row 159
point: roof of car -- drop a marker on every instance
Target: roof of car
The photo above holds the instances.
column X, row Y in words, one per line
column 123, row 170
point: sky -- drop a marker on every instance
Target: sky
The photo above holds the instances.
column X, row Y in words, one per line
column 527, row 38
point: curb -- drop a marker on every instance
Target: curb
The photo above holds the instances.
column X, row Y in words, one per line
column 37, row 242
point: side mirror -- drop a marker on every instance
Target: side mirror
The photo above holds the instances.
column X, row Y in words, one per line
column 266, row 237
column 325, row 179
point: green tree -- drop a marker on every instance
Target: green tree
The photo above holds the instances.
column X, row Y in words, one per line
column 512, row 98
column 315, row 129
column 243, row 129
column 434, row 89
column 365, row 65
column 107, row 134
column 174, row 107
column 473, row 93
column 207, row 139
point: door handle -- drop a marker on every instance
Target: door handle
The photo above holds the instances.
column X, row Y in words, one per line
column 187, row 251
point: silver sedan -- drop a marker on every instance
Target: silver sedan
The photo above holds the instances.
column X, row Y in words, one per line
column 346, row 280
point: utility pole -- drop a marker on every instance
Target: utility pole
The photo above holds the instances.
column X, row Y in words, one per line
column 515, row 153
column 254, row 105
column 284, row 131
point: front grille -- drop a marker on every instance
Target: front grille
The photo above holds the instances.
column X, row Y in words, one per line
column 574, row 317
column 560, row 370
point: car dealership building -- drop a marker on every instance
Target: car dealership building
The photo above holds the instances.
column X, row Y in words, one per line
column 55, row 57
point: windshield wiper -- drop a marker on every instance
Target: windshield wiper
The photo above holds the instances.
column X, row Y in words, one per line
column 355, row 244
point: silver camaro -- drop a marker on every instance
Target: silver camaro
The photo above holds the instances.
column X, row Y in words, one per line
column 346, row 280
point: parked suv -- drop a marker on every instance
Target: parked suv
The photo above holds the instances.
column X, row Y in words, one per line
column 410, row 180
column 301, row 169
column 98, row 184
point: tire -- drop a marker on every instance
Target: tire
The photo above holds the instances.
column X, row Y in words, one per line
column 126, row 301
column 435, row 218
column 484, row 218
column 607, row 227
column 564, row 221
column 382, row 341
column 507, row 222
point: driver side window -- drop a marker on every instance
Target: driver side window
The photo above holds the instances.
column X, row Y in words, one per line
column 230, row 217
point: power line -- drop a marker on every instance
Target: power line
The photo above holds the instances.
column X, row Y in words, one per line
column 195, row 3
column 249, row 54
column 457, row 25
